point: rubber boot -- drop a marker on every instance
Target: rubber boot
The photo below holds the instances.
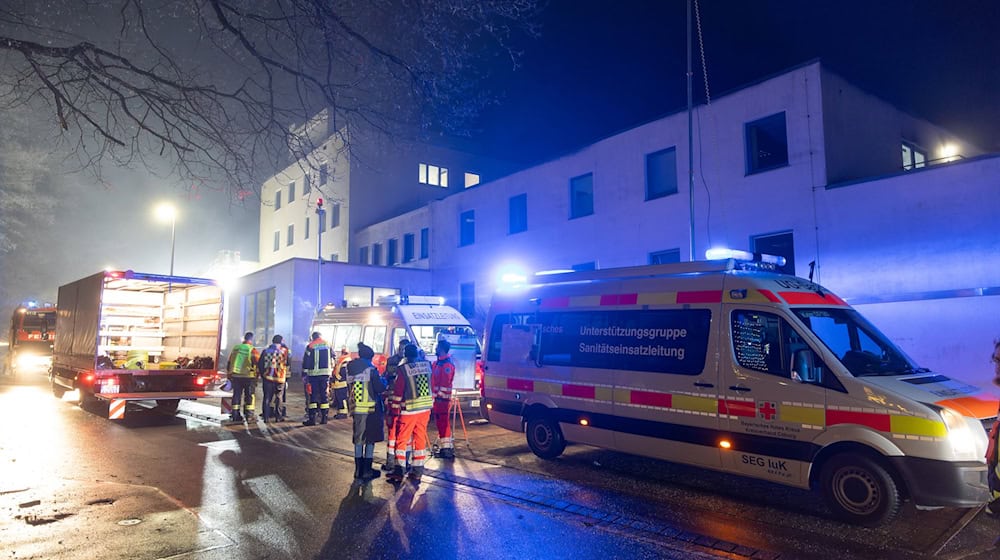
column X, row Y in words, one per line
column 390, row 461
column 367, row 472
column 311, row 421
column 323, row 414
column 416, row 473
column 236, row 417
column 396, row 475
column 359, row 468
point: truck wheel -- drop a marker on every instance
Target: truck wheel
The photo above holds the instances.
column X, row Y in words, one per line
column 544, row 437
column 859, row 490
column 168, row 406
column 58, row 390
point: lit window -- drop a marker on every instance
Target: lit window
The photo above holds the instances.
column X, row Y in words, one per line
column 913, row 157
column 471, row 180
column 433, row 175
column 766, row 144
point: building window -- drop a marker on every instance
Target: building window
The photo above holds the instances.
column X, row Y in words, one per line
column 433, row 175
column 780, row 244
column 258, row 314
column 277, row 240
column 661, row 173
column 408, row 242
column 592, row 265
column 324, row 174
column 291, row 235
column 377, row 254
column 467, row 228
column 363, row 255
column 581, row 196
column 306, row 185
column 321, row 220
column 277, row 200
column 425, row 243
column 335, row 215
column 766, row 144
column 392, row 252
column 471, row 179
column 665, row 257
column 913, row 157
column 467, row 299
column 305, row 232
column 334, row 257
column 518, row 214
column 291, row 190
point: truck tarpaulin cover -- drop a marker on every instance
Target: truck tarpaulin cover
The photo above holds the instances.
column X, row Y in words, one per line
column 79, row 311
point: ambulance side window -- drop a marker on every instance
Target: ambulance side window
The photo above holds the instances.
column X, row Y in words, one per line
column 757, row 342
column 496, row 331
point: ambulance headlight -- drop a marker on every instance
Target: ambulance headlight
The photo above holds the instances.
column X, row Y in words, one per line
column 962, row 439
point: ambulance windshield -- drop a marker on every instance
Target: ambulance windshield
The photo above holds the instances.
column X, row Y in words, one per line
column 857, row 343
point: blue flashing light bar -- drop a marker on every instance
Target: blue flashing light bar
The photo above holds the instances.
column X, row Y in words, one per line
column 721, row 253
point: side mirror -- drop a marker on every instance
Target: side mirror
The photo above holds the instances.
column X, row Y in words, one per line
column 803, row 366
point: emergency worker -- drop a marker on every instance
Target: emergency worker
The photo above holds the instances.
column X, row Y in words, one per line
column 273, row 369
column 338, row 383
column 412, row 390
column 365, row 402
column 993, row 449
column 317, row 364
column 242, row 372
column 442, row 382
column 391, row 407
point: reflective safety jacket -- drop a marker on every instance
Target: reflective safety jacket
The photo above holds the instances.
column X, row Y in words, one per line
column 317, row 360
column 412, row 390
column 339, row 378
column 243, row 361
column 442, row 378
column 366, row 386
column 273, row 363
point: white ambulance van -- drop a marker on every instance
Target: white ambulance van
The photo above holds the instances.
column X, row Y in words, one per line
column 423, row 320
column 720, row 365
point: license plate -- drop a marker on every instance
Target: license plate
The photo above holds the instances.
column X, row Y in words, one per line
column 474, row 403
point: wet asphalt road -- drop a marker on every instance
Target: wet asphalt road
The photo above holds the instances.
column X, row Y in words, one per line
column 73, row 484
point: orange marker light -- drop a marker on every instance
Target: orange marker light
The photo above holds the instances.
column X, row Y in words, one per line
column 725, row 444
column 584, row 422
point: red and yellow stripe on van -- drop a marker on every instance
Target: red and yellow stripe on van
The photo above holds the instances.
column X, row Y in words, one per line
column 805, row 415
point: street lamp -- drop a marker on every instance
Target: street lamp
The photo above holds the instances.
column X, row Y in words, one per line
column 167, row 212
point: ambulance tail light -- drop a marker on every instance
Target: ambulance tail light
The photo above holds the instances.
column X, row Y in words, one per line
column 961, row 438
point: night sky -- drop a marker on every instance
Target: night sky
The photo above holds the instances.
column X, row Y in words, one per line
column 599, row 68
column 602, row 67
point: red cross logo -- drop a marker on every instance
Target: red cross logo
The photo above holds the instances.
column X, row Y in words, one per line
column 767, row 410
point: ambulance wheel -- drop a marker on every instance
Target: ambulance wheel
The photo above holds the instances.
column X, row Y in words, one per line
column 859, row 490
column 168, row 406
column 58, row 390
column 544, row 437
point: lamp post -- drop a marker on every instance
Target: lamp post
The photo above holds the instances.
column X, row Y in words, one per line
column 167, row 212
